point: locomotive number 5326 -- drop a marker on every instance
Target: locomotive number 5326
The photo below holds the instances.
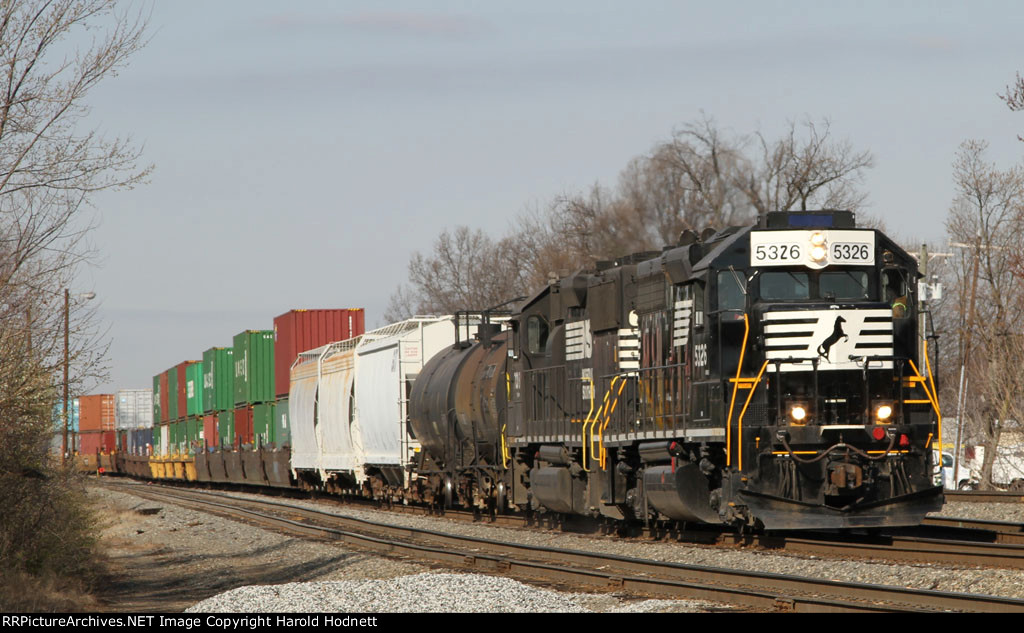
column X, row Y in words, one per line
column 777, row 253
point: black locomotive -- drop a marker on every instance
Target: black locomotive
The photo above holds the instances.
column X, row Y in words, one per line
column 764, row 375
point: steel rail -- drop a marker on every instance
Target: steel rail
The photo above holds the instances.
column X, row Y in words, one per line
column 984, row 496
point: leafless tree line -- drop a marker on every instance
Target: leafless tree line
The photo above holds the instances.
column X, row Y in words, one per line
column 51, row 164
column 702, row 176
column 980, row 315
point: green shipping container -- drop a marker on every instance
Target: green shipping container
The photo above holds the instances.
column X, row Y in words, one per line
column 172, row 396
column 157, row 438
column 226, row 429
column 254, row 367
column 218, row 379
column 172, row 437
column 194, row 389
column 194, row 434
column 282, row 432
column 262, row 424
column 156, row 398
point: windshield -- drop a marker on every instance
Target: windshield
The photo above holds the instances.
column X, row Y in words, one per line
column 844, row 284
column 784, row 285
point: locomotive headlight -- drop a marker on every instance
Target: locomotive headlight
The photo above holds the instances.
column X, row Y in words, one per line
column 818, row 239
column 883, row 412
column 798, row 413
column 818, row 253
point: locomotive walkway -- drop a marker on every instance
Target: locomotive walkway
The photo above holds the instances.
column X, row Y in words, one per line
column 578, row 569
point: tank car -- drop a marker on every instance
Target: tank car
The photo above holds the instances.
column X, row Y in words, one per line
column 765, row 375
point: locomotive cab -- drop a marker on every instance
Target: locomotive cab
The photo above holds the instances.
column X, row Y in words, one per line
column 838, row 412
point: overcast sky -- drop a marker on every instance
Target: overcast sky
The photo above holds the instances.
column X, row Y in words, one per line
column 304, row 150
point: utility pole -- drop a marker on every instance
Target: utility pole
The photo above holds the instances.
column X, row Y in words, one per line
column 67, row 362
column 965, row 357
column 67, row 310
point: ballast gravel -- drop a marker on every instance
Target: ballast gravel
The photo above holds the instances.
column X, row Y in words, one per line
column 211, row 556
column 423, row 593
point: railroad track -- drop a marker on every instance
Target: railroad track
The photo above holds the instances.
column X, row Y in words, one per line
column 578, row 569
column 984, row 496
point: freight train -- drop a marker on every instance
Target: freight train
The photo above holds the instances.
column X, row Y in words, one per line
column 758, row 376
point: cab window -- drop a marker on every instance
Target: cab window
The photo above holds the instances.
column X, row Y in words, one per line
column 843, row 284
column 730, row 294
column 785, row 286
column 536, row 334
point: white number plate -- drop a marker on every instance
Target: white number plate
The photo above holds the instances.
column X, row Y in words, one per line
column 851, row 253
column 794, row 248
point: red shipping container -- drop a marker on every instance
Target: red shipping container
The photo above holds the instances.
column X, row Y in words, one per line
column 243, row 425
column 183, row 387
column 108, row 443
column 210, row 435
column 96, row 412
column 165, row 407
column 298, row 331
column 90, row 442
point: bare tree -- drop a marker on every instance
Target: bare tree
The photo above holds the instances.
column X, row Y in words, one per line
column 805, row 172
column 52, row 54
column 1014, row 97
column 702, row 177
column 986, row 220
column 466, row 270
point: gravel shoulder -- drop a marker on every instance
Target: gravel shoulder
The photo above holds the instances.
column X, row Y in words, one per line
column 166, row 558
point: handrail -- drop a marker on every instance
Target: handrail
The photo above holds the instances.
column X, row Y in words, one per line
column 750, row 396
column 504, row 448
column 597, row 417
column 735, row 388
column 928, row 366
column 583, row 428
column 931, row 397
column 607, row 418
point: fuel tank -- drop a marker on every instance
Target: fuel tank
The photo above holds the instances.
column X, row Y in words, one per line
column 457, row 404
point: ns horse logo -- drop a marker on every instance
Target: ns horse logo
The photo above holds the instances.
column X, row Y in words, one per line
column 837, row 333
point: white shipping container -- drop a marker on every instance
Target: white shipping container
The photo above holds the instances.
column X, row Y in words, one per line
column 133, row 409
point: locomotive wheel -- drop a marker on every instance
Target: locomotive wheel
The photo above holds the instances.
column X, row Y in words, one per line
column 500, row 499
column 448, row 491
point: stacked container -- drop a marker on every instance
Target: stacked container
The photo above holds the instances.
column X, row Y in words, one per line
column 133, row 409
column 58, row 417
column 218, row 379
column 155, row 404
column 297, row 331
column 194, row 389
column 172, row 394
column 96, row 412
column 181, row 386
column 218, row 395
column 165, row 400
column 254, row 367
